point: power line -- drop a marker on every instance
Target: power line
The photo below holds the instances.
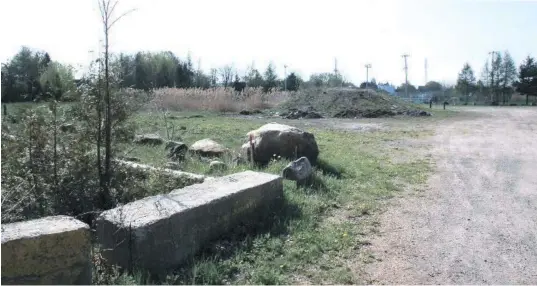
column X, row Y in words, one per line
column 284, row 77
column 492, row 73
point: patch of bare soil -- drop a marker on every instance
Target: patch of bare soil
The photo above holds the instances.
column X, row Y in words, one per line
column 477, row 221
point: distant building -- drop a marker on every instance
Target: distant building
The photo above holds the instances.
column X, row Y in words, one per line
column 387, row 88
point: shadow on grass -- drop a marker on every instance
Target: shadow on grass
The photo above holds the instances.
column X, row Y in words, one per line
column 328, row 169
column 209, row 266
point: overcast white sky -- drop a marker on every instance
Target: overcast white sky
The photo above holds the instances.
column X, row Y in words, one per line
column 305, row 35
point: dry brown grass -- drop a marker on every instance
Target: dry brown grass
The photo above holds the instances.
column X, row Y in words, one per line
column 216, row 99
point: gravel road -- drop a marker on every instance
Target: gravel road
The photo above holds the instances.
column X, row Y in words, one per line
column 477, row 222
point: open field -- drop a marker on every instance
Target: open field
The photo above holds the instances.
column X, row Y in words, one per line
column 322, row 226
column 327, row 233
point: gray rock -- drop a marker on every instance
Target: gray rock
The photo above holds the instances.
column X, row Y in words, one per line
column 217, row 166
column 208, row 147
column 176, row 150
column 298, row 170
column 148, row 139
column 281, row 140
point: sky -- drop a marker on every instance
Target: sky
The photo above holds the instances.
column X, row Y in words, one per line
column 304, row 35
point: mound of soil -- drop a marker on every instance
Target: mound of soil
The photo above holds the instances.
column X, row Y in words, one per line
column 305, row 112
column 348, row 103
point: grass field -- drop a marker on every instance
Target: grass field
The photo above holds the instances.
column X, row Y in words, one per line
column 322, row 230
column 319, row 234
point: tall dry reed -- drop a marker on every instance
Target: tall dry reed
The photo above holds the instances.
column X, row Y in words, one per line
column 216, row 99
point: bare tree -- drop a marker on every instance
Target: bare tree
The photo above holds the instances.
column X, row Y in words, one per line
column 226, row 73
column 107, row 8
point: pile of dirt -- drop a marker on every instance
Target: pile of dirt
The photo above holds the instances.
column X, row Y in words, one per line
column 298, row 113
column 347, row 103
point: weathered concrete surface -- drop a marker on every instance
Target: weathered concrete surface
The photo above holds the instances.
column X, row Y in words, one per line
column 191, row 178
column 51, row 250
column 158, row 233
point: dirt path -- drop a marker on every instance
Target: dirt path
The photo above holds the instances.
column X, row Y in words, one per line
column 477, row 223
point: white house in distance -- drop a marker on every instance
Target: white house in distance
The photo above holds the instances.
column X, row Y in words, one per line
column 387, row 88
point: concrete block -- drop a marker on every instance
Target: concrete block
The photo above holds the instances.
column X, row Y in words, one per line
column 51, row 250
column 190, row 178
column 159, row 233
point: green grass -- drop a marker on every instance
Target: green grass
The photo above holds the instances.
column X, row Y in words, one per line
column 319, row 233
column 301, row 245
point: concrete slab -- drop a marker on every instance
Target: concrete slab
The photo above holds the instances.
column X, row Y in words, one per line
column 159, row 233
column 51, row 250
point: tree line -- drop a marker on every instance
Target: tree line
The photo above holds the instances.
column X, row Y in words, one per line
column 32, row 75
column 499, row 79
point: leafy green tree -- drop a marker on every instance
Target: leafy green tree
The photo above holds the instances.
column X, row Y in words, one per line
column 270, row 78
column 126, row 70
column 254, row 78
column 141, row 72
column 21, row 75
column 58, row 81
column 466, row 81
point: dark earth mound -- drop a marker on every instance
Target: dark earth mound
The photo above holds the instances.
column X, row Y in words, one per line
column 304, row 112
column 347, row 103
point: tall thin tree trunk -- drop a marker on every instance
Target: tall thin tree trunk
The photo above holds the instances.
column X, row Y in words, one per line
column 99, row 127
column 108, row 124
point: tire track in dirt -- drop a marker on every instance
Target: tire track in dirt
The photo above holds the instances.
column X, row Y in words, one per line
column 477, row 223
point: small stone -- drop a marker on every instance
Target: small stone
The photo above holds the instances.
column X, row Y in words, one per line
column 298, row 170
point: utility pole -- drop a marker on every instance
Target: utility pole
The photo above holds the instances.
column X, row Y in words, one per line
column 367, row 67
column 336, row 72
column 492, row 74
column 284, row 77
column 405, row 56
column 425, row 72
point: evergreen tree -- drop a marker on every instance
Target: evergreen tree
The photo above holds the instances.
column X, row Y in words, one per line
column 466, row 81
column 527, row 78
column 508, row 75
column 292, row 82
column 270, row 80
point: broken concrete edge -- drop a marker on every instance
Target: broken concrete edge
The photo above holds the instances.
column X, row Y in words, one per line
column 49, row 250
column 161, row 232
column 42, row 226
column 175, row 173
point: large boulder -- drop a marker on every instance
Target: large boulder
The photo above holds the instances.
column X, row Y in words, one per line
column 281, row 140
column 208, row 148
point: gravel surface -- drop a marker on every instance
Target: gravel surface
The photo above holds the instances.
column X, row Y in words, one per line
column 477, row 222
